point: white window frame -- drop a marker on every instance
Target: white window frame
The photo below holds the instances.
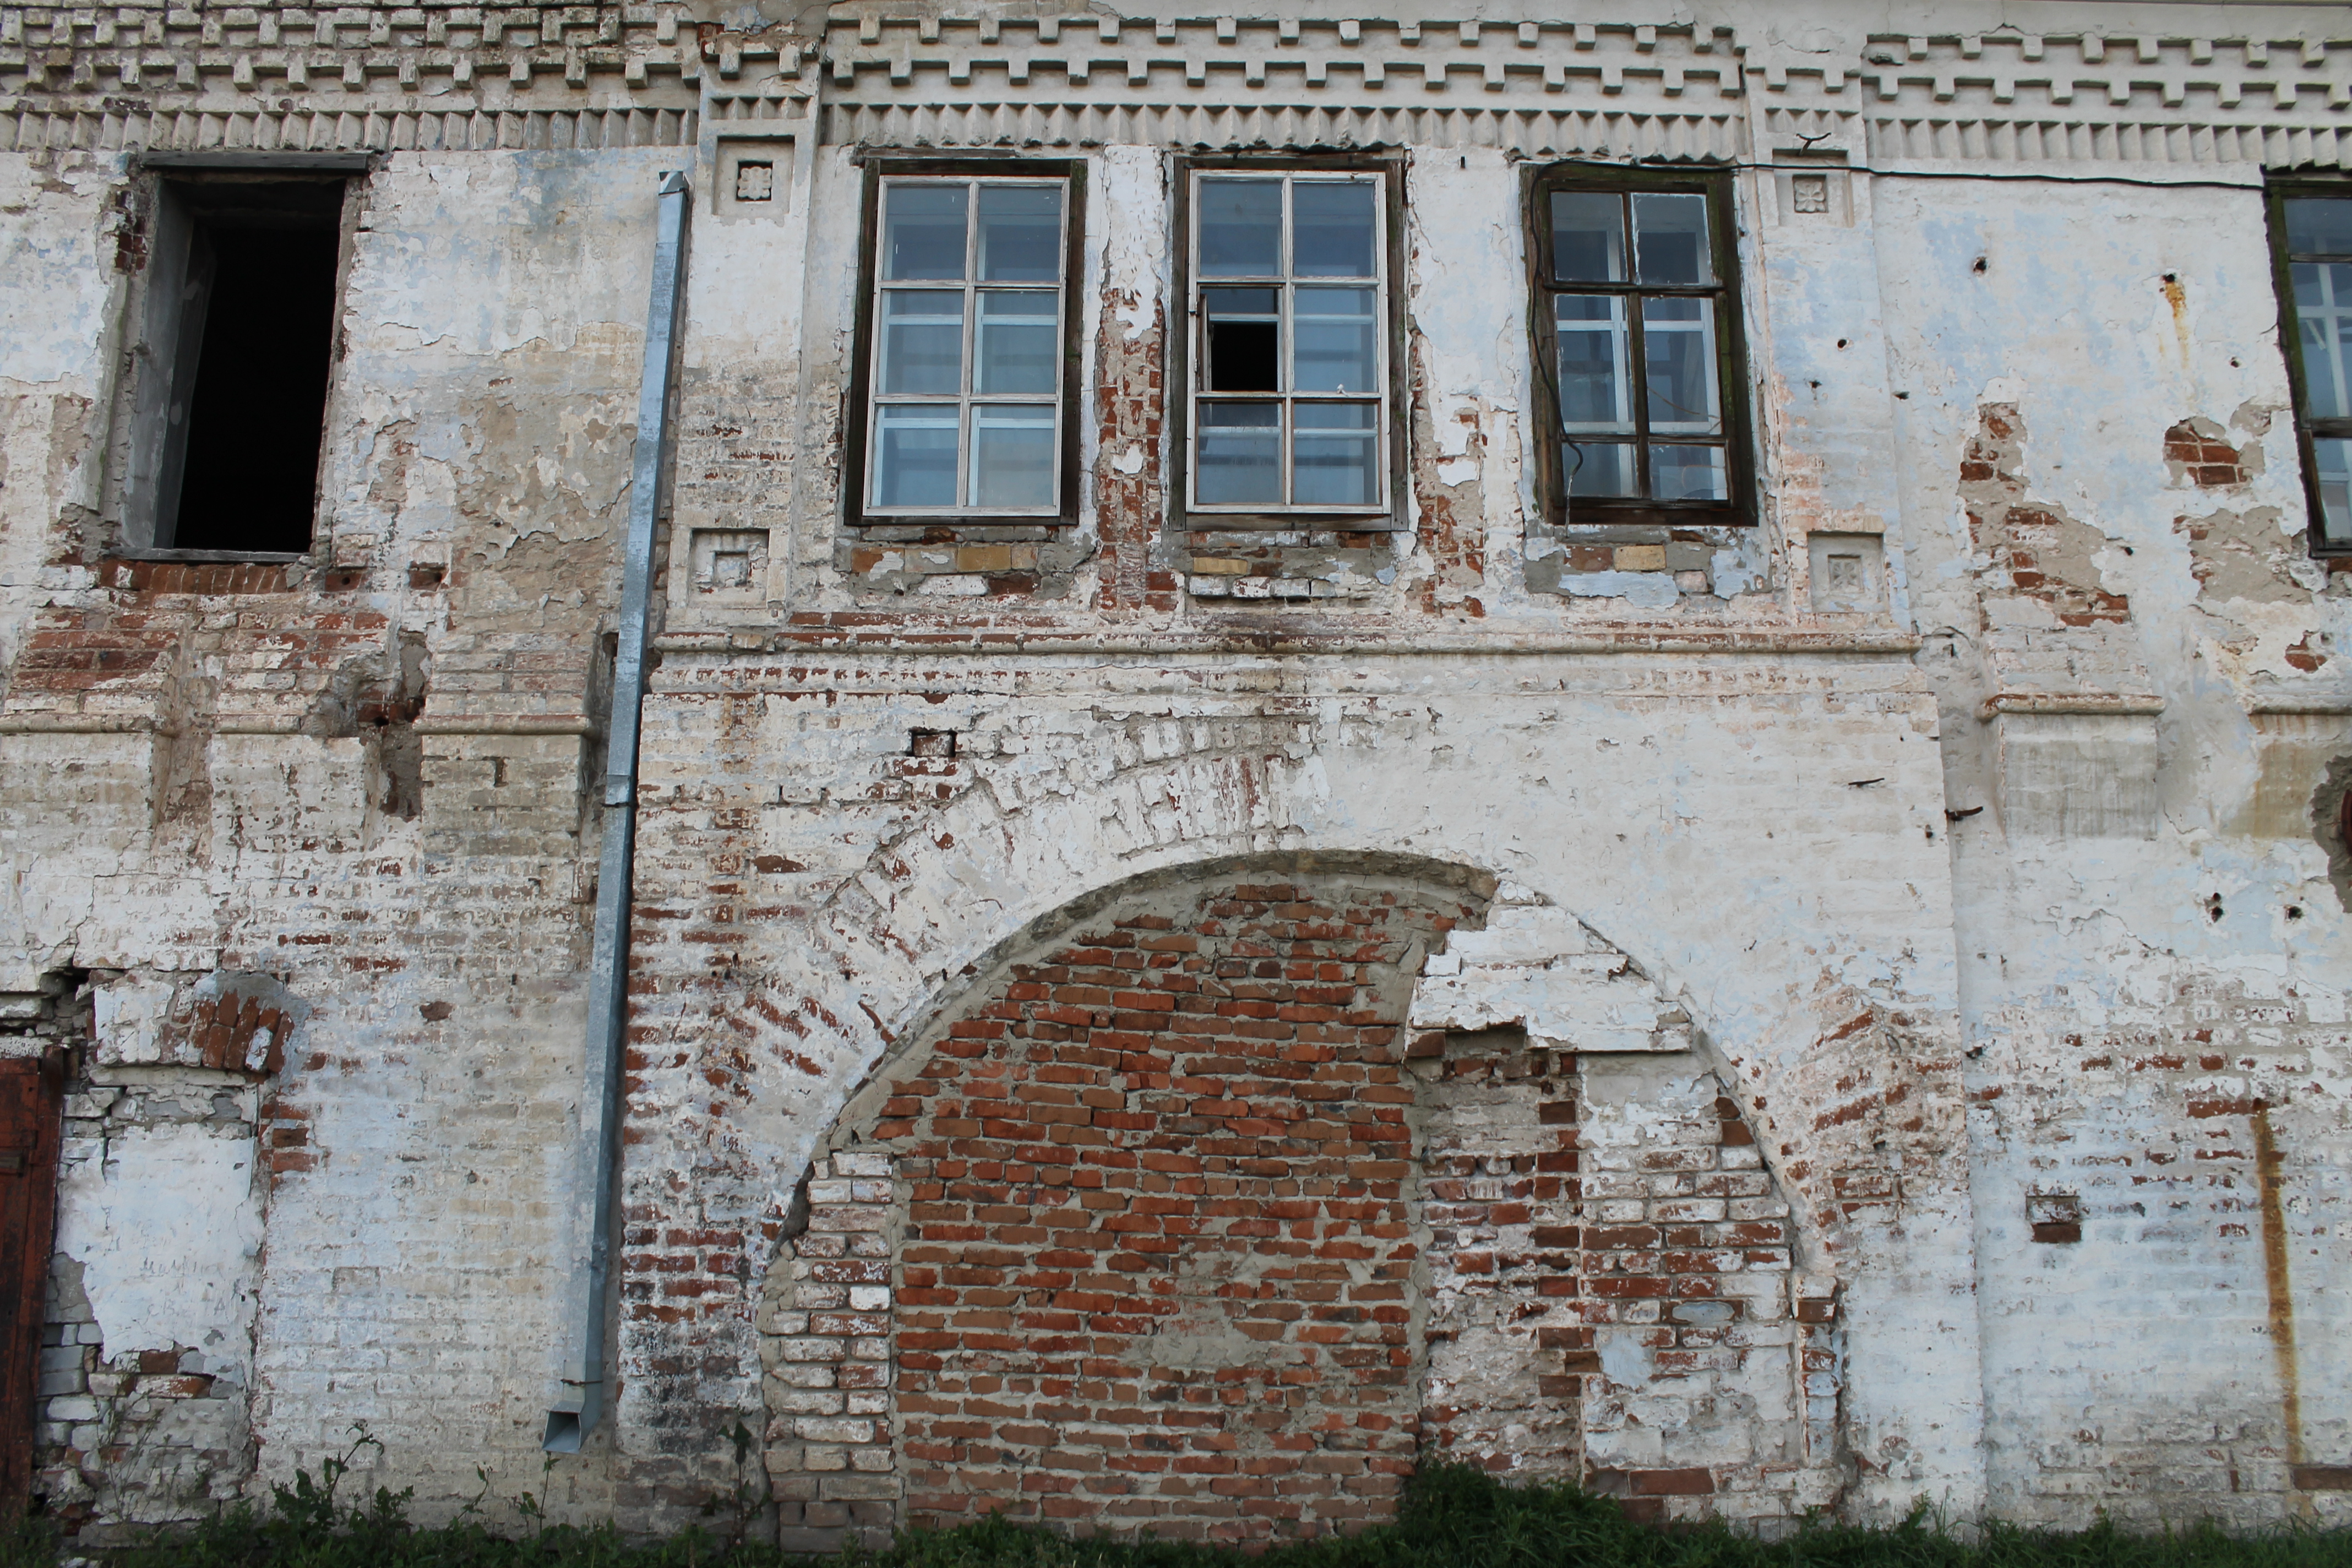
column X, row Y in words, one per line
column 965, row 399
column 1286, row 284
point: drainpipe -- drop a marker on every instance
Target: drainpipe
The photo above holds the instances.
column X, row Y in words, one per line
column 580, row 1396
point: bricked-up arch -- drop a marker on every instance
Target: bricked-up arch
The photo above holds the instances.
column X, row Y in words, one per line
column 1136, row 1227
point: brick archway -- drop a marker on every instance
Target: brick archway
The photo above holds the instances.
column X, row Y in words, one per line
column 1171, row 1220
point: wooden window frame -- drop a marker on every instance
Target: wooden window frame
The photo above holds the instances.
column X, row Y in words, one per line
column 857, row 477
column 1393, row 422
column 2276, row 192
column 1739, row 510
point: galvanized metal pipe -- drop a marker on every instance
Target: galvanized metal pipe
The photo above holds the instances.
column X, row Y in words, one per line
column 584, row 1381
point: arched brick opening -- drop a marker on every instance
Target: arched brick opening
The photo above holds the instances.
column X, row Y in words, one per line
column 1171, row 1219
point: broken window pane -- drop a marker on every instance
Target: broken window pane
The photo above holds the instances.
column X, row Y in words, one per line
column 2319, row 226
column 1286, row 336
column 923, row 233
column 1599, row 467
column 1334, row 455
column 1012, row 455
column 1240, row 228
column 1588, row 236
column 1687, row 473
column 915, row 454
column 922, row 341
column 1015, row 351
column 1332, row 344
column 1678, row 355
column 1240, row 448
column 1331, row 229
column 1592, row 340
column 1020, row 233
column 1244, row 333
column 1670, row 238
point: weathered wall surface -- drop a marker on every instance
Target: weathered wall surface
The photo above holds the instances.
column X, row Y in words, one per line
column 1889, row 1018
column 2167, row 1074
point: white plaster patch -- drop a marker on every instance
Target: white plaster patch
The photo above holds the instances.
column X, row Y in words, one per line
column 166, row 1224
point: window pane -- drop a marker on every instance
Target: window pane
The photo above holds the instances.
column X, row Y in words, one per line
column 1597, row 467
column 1020, row 233
column 1331, row 229
column 1670, row 238
column 1243, row 332
column 2333, row 458
column 1012, row 455
column 2318, row 226
column 1334, row 454
column 1678, row 365
column 915, row 455
column 1241, row 454
column 1588, row 236
column 1331, row 341
column 1591, row 348
column 1016, row 349
column 922, row 341
column 922, row 232
column 1687, row 473
column 2323, row 310
column 1240, row 228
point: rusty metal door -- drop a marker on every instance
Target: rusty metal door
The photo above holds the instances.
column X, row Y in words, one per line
column 32, row 1095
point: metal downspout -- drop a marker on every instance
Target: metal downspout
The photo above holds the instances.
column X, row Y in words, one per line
column 579, row 1402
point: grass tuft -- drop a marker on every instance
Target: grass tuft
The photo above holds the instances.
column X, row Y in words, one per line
column 1452, row 1516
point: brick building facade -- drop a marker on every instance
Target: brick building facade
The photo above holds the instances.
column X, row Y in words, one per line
column 1614, row 744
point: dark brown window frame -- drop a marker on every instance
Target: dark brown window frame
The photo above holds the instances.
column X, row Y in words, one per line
column 857, row 414
column 1182, row 348
column 1731, row 348
column 2276, row 192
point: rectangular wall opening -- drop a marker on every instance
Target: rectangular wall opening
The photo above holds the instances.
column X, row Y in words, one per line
column 240, row 336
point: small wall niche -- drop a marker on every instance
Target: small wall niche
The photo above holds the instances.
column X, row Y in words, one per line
column 1849, row 572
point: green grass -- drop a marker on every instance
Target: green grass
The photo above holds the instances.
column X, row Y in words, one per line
column 1450, row 1518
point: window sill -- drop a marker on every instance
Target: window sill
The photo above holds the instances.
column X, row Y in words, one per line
column 213, row 557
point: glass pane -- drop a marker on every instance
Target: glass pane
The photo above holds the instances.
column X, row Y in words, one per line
column 922, row 339
column 1012, row 455
column 1331, row 229
column 915, row 455
column 1597, row 467
column 1670, row 238
column 1332, row 346
column 2318, row 226
column 922, row 231
column 1334, row 454
column 1592, row 349
column 2323, row 311
column 1016, row 349
column 2333, row 458
column 1240, row 228
column 1687, row 473
column 1020, row 233
column 1588, row 236
column 1243, row 329
column 1240, row 455
column 1678, row 365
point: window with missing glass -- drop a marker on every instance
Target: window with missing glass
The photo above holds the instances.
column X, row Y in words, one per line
column 2311, row 228
column 1290, row 369
column 1636, row 322
column 966, row 347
